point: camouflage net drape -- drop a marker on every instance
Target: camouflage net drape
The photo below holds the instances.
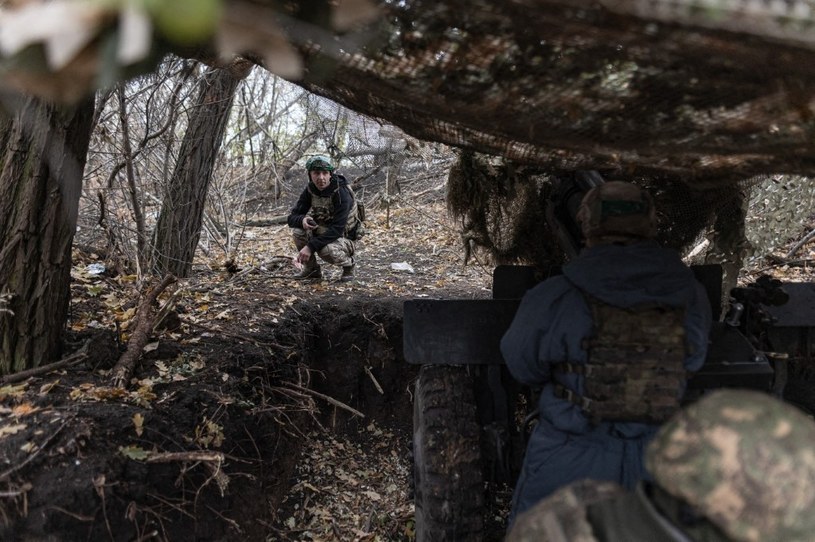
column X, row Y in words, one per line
column 704, row 102
column 705, row 92
column 699, row 99
column 501, row 207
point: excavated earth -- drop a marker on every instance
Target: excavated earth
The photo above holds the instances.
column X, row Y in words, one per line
column 263, row 408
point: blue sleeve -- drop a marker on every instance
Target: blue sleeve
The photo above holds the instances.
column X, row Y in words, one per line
column 697, row 325
column 548, row 327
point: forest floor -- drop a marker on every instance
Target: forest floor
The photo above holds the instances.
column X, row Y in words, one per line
column 265, row 408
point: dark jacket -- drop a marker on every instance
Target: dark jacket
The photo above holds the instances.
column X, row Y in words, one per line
column 550, row 326
column 334, row 227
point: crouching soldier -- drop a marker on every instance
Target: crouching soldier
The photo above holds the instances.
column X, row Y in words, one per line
column 325, row 221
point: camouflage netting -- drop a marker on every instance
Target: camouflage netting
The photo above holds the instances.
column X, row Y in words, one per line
column 501, row 207
column 590, row 85
column 699, row 99
column 705, row 103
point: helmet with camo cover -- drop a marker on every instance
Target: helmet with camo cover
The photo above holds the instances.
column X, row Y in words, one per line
column 744, row 460
column 320, row 163
column 617, row 211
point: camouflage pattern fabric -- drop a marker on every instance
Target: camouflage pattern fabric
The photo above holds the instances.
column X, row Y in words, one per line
column 562, row 516
column 616, row 211
column 635, row 363
column 743, row 459
column 338, row 252
column 322, row 210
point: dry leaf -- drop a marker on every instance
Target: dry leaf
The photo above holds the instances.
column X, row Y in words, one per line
column 241, row 31
column 45, row 388
column 134, row 452
column 23, row 409
column 65, row 27
column 11, row 429
column 373, row 495
column 136, row 37
column 138, row 423
column 12, row 391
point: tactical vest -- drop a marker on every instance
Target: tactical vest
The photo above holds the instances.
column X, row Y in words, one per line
column 322, row 209
column 635, row 364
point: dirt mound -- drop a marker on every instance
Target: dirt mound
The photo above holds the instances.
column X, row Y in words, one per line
column 204, row 445
column 257, row 374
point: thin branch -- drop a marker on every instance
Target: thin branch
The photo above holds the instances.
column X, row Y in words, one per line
column 31, row 457
column 124, row 368
column 797, row 246
column 331, row 400
column 73, row 359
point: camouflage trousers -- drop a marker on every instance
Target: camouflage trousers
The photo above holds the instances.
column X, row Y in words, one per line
column 339, row 252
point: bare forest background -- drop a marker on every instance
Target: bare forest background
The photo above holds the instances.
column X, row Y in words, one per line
column 137, row 156
column 174, row 165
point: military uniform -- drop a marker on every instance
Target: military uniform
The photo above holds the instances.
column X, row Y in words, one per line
column 737, row 466
column 335, row 211
column 558, row 329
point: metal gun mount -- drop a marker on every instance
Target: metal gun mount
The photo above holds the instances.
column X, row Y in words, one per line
column 465, row 423
column 468, row 332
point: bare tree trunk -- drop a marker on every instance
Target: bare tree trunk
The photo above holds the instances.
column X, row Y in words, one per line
column 135, row 201
column 42, row 156
column 182, row 208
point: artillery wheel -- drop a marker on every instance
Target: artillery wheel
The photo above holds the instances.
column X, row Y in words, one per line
column 449, row 489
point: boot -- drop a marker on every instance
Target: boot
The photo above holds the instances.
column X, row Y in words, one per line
column 310, row 272
column 347, row 273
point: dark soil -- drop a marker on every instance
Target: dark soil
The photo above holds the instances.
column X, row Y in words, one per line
column 251, row 399
column 263, row 409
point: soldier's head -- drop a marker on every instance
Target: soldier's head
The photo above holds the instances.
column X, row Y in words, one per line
column 617, row 212
column 319, row 170
column 744, row 461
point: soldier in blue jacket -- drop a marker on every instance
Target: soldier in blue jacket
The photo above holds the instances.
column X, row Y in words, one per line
column 609, row 343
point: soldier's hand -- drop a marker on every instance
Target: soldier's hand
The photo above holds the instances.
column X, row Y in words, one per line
column 304, row 255
column 309, row 223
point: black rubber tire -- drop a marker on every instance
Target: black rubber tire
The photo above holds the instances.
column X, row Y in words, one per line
column 449, row 488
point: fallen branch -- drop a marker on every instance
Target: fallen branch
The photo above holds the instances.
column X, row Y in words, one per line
column 123, row 370
column 67, row 361
column 271, row 221
column 169, row 457
column 31, row 457
column 776, row 261
column 331, row 400
column 373, row 379
column 807, row 238
column 166, row 309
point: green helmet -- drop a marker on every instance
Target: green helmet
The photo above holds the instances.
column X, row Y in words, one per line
column 319, row 163
column 617, row 209
column 744, row 460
